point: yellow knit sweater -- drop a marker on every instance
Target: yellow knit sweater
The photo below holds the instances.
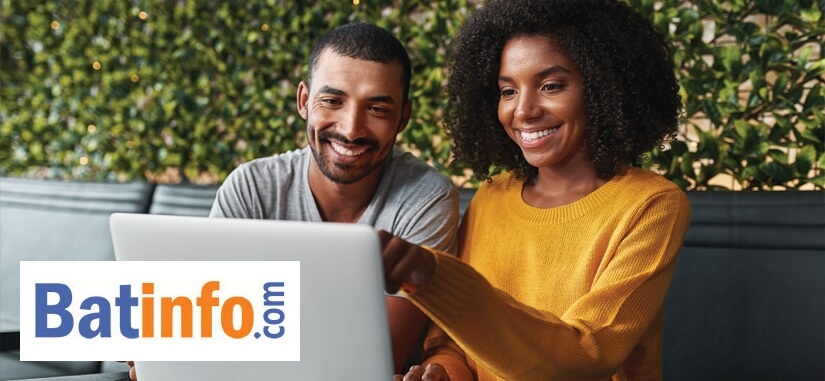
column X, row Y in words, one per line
column 568, row 293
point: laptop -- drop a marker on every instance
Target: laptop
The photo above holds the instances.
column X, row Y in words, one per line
column 344, row 327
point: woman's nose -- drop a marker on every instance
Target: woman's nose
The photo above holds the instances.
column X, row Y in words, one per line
column 527, row 107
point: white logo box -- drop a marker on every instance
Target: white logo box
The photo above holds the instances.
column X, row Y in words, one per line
column 264, row 293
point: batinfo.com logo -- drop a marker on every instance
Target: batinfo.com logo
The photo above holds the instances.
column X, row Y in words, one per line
column 160, row 311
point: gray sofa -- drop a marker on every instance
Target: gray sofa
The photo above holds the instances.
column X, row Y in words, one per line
column 747, row 300
column 57, row 220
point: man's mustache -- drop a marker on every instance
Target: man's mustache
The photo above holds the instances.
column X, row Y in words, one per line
column 332, row 135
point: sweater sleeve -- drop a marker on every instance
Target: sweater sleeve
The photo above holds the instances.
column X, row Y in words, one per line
column 440, row 349
column 590, row 340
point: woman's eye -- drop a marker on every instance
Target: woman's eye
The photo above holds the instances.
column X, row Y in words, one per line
column 508, row 92
column 552, row 87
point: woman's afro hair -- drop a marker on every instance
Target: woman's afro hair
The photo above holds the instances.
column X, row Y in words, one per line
column 631, row 92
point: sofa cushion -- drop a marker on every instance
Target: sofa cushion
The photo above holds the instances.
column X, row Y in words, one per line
column 746, row 300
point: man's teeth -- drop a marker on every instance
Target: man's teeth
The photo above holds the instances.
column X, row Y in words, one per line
column 531, row 136
column 345, row 151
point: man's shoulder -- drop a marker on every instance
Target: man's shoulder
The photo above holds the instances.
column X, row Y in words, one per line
column 270, row 171
column 413, row 169
column 269, row 164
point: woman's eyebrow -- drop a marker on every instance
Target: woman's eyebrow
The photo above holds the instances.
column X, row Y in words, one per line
column 552, row 70
column 542, row 73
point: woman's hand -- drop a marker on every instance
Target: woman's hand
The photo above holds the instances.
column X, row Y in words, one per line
column 431, row 372
column 405, row 265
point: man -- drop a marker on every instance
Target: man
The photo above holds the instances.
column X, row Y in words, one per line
column 355, row 102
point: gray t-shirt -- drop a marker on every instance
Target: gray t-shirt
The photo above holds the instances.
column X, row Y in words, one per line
column 413, row 201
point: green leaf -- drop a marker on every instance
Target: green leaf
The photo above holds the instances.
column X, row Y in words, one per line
column 815, row 99
column 744, row 129
column 808, row 135
column 712, row 110
column 732, row 59
column 778, row 156
column 776, row 172
column 805, row 158
column 749, row 173
column 678, row 147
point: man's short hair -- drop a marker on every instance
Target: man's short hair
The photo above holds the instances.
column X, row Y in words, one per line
column 366, row 42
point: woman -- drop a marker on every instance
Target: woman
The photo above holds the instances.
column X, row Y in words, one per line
column 567, row 251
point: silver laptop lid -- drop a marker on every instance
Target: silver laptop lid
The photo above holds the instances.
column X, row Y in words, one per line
column 344, row 328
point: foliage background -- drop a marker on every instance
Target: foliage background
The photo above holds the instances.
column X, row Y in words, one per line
column 752, row 84
column 186, row 90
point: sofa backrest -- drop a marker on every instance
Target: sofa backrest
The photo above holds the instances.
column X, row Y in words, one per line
column 57, row 220
column 183, row 200
column 465, row 195
column 747, row 300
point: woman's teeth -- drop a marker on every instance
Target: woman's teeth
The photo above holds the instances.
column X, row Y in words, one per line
column 531, row 136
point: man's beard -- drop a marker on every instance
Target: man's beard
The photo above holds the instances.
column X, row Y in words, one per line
column 347, row 174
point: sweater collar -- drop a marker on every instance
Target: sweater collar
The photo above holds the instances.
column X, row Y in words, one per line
column 577, row 209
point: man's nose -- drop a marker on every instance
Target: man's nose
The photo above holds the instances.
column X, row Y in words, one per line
column 351, row 124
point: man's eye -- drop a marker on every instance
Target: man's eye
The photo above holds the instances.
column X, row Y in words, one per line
column 380, row 110
column 331, row 101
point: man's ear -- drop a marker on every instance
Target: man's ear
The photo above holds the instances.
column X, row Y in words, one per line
column 303, row 99
column 406, row 112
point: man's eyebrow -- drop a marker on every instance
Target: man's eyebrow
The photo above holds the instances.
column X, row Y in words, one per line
column 382, row 98
column 339, row 92
column 331, row 90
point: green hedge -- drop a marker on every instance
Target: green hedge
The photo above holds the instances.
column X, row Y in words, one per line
column 196, row 87
column 752, row 81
